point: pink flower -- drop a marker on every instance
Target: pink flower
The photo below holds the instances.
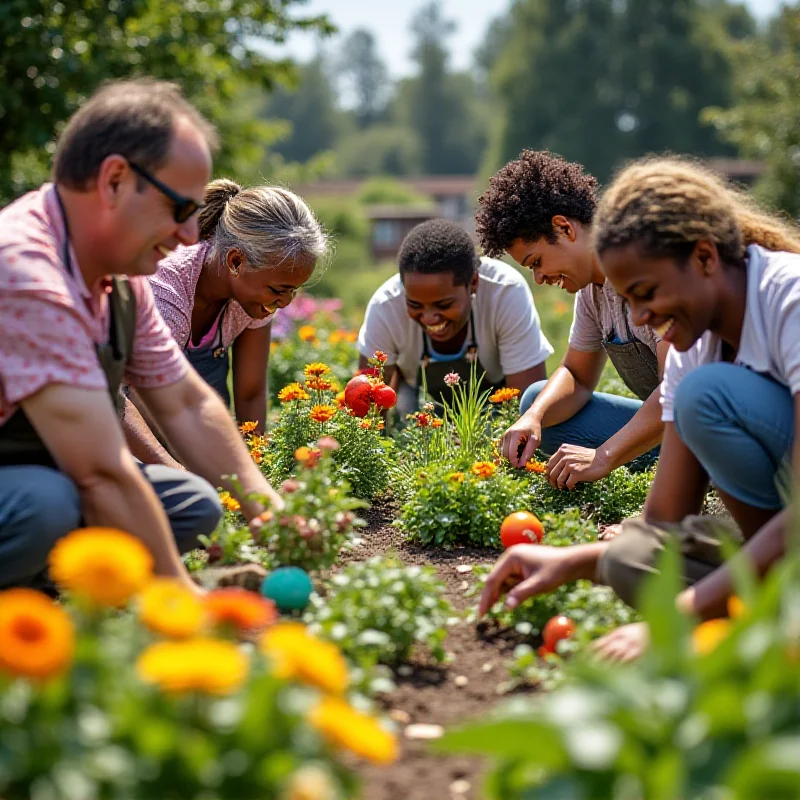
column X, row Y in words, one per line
column 452, row 379
column 328, row 443
column 290, row 485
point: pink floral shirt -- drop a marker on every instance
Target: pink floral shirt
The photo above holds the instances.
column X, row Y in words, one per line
column 50, row 321
column 174, row 285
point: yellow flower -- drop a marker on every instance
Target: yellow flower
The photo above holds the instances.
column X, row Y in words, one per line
column 319, row 384
column 248, row 427
column 36, row 635
column 365, row 424
column 312, row 782
column 316, row 369
column 340, row 400
column 736, row 608
column 102, row 565
column 536, row 466
column 322, row 413
column 229, row 502
column 456, row 477
column 208, row 666
column 307, row 333
column 436, row 423
column 336, row 337
column 344, row 727
column 483, row 469
column 504, row 395
column 293, row 391
column 167, row 608
column 299, row 656
column 709, row 634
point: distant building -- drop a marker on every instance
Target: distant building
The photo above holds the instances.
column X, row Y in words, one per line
column 390, row 224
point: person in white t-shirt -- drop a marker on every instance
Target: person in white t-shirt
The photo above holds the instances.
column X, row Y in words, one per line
column 720, row 281
column 445, row 308
column 539, row 209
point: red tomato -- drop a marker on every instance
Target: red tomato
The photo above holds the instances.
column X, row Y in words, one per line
column 544, row 651
column 557, row 628
column 358, row 395
column 384, row 396
column 521, row 527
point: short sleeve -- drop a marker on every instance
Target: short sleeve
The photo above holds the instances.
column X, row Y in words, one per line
column 376, row 334
column 586, row 333
column 44, row 342
column 678, row 365
column 157, row 359
column 520, row 340
column 786, row 301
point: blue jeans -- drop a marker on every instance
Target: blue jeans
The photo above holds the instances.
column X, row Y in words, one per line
column 739, row 425
column 602, row 417
column 39, row 505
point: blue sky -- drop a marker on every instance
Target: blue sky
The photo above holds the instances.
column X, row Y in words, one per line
column 389, row 20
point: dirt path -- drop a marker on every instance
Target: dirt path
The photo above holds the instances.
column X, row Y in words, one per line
column 432, row 694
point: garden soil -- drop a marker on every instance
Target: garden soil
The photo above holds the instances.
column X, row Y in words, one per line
column 437, row 695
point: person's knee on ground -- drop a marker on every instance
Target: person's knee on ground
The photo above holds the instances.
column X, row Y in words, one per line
column 41, row 506
column 191, row 503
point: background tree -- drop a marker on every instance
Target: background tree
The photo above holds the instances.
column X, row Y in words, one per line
column 365, row 76
column 54, row 54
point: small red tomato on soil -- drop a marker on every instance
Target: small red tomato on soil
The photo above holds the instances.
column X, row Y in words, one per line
column 544, row 651
column 214, row 553
column 358, row 395
column 521, row 527
column 384, row 396
column 557, row 628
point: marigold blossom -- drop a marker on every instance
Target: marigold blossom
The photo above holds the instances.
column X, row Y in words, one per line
column 248, row 427
column 456, row 477
column 380, row 356
column 240, row 609
column 169, row 609
column 339, row 400
column 229, row 502
column 483, row 469
column 322, row 413
column 365, row 424
column 319, row 384
column 537, row 467
column 292, row 391
column 504, row 395
column 708, row 635
column 315, row 369
column 103, row 566
column 436, row 423
column 37, row 639
column 344, row 727
column 308, row 333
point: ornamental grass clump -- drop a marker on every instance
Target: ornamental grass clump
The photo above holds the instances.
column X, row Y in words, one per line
column 379, row 610
column 154, row 696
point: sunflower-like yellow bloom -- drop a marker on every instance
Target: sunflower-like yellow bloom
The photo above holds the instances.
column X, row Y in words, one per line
column 308, row 333
column 708, row 635
column 316, row 369
column 208, row 666
column 483, row 469
column 103, row 566
column 37, row 638
column 344, row 727
column 322, row 413
column 292, row 391
column 248, row 427
column 299, row 656
column 167, row 608
column 229, row 502
column 504, row 395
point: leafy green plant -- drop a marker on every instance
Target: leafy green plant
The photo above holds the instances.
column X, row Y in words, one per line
column 449, row 505
column 377, row 611
column 468, row 413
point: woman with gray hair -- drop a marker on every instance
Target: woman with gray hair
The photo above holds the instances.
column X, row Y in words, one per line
column 257, row 247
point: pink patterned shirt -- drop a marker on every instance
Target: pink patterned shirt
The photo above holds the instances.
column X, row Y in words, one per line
column 50, row 321
column 174, row 285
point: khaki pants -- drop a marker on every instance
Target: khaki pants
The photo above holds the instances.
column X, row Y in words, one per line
column 633, row 554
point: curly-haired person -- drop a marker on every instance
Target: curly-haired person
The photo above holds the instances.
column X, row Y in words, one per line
column 539, row 210
column 719, row 279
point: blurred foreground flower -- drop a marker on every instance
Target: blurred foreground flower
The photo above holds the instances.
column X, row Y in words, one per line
column 237, row 608
column 103, row 566
column 167, row 608
column 37, row 639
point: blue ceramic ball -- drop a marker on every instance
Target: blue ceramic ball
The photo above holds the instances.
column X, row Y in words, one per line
column 288, row 587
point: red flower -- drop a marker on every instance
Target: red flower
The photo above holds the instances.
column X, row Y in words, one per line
column 239, row 608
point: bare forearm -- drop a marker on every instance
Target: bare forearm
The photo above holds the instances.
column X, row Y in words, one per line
column 560, row 399
column 141, row 441
column 639, row 436
column 253, row 410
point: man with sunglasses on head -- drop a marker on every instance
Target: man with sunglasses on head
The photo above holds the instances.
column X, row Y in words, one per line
column 77, row 318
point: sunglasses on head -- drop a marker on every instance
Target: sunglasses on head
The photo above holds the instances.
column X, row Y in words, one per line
column 185, row 207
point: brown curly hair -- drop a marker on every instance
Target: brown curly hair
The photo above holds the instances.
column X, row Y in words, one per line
column 666, row 205
column 526, row 194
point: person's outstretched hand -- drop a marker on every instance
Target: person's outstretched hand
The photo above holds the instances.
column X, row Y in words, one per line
column 521, row 441
column 526, row 570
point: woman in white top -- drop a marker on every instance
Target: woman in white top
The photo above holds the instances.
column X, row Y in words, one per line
column 720, row 281
column 447, row 307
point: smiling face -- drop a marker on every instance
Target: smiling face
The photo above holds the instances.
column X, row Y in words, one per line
column 139, row 220
column 567, row 263
column 260, row 291
column 679, row 301
column 436, row 303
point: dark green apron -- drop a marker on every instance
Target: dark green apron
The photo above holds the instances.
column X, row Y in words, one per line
column 19, row 441
column 635, row 363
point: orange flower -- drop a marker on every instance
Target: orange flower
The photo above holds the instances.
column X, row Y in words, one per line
column 319, row 384
column 365, row 424
column 307, row 333
column 322, row 413
column 457, row 477
column 436, row 423
column 709, row 634
column 344, row 727
column 380, row 356
column 36, row 635
column 240, row 609
column 315, row 369
column 736, row 608
column 483, row 469
column 169, row 609
column 381, row 425
column 340, row 400
column 504, row 395
column 257, row 457
column 229, row 502
column 536, row 466
column 294, row 391
column 248, row 427
column 307, row 456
